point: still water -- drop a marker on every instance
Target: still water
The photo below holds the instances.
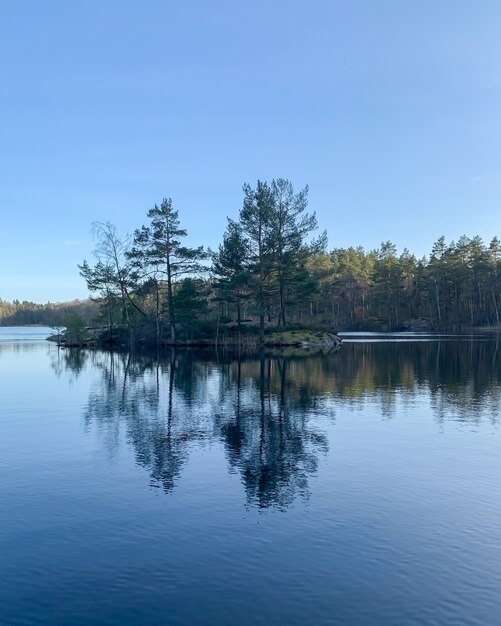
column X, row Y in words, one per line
column 356, row 487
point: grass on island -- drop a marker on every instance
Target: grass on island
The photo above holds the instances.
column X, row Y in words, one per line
column 296, row 337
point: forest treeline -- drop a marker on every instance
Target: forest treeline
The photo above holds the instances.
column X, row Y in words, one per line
column 52, row 314
column 271, row 272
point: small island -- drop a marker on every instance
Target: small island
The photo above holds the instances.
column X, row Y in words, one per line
column 152, row 290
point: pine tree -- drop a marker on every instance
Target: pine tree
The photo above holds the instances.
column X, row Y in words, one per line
column 256, row 224
column 158, row 250
column 230, row 268
column 290, row 226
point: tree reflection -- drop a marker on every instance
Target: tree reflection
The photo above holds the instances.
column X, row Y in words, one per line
column 165, row 405
column 139, row 393
column 269, row 412
column 68, row 361
column 268, row 435
column 461, row 378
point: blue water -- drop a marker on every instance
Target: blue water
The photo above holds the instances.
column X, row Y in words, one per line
column 355, row 487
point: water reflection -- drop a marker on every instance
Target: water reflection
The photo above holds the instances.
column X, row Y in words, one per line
column 16, row 340
column 269, row 413
column 267, row 433
column 169, row 403
column 69, row 362
column 8, row 348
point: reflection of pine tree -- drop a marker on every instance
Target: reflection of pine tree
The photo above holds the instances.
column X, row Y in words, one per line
column 268, row 440
column 70, row 361
column 168, row 404
column 262, row 410
column 131, row 393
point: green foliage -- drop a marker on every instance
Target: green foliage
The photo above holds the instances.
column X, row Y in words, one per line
column 75, row 331
column 190, row 300
column 158, row 254
column 231, row 268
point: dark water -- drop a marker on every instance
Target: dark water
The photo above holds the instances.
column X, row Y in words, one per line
column 357, row 487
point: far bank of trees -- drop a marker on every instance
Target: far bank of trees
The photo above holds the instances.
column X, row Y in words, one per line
column 26, row 313
column 273, row 271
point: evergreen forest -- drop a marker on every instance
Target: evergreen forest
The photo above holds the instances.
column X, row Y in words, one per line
column 273, row 272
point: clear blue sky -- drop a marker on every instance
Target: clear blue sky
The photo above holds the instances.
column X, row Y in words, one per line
column 389, row 109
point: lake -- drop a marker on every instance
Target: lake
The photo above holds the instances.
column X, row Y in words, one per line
column 361, row 486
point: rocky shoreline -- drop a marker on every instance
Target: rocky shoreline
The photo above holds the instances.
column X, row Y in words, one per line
column 285, row 339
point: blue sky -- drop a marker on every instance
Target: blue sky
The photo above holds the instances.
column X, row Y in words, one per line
column 388, row 109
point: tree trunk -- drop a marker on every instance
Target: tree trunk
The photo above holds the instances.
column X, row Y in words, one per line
column 281, row 314
column 239, row 321
column 157, row 312
column 496, row 310
column 438, row 304
column 170, row 298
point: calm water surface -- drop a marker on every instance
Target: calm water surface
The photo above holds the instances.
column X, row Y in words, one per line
column 356, row 487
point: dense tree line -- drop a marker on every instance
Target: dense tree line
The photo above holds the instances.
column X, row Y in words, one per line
column 457, row 286
column 270, row 272
column 26, row 313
